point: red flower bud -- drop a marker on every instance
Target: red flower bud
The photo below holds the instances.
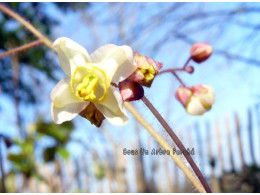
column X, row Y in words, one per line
column 200, row 52
column 189, row 69
column 131, row 90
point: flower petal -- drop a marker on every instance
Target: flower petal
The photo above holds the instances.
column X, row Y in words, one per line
column 194, row 106
column 71, row 54
column 62, row 94
column 112, row 108
column 207, row 98
column 123, row 55
column 126, row 69
column 68, row 112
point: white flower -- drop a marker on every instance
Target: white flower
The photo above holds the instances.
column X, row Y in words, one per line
column 88, row 80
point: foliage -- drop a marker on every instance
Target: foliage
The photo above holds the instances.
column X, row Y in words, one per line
column 24, row 160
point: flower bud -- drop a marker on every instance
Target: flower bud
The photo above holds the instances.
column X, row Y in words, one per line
column 189, row 69
column 183, row 95
column 200, row 52
column 131, row 90
column 146, row 71
column 93, row 115
column 196, row 99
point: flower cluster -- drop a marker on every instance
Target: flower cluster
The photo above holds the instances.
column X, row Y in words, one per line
column 86, row 89
column 197, row 99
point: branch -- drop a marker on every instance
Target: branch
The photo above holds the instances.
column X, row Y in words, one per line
column 30, row 27
column 21, row 48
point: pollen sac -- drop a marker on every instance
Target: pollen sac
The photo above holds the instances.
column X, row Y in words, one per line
column 146, row 71
column 130, row 90
column 200, row 52
column 93, row 115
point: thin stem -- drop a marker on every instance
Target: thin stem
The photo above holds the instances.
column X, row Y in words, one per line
column 179, row 161
column 170, row 70
column 179, row 79
column 177, row 142
column 173, row 71
column 186, row 63
column 21, row 48
column 2, row 168
column 30, row 27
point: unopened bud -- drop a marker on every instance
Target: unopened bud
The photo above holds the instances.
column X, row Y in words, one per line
column 189, row 69
column 146, row 71
column 93, row 115
column 200, row 52
column 130, row 90
column 196, row 99
column 183, row 95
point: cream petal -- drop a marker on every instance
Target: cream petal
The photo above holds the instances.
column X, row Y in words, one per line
column 68, row 112
column 123, row 55
column 126, row 69
column 194, row 107
column 207, row 98
column 71, row 54
column 62, row 93
column 112, row 108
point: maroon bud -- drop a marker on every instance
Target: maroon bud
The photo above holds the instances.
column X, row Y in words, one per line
column 200, row 52
column 189, row 69
column 130, row 90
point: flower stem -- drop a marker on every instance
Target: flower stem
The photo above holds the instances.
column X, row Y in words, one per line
column 173, row 71
column 179, row 79
column 21, row 48
column 30, row 27
column 181, row 164
column 186, row 63
column 170, row 70
column 177, row 142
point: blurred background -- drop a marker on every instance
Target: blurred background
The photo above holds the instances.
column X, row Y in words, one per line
column 39, row 156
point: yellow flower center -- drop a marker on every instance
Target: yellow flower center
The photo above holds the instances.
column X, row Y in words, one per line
column 86, row 89
column 89, row 84
column 148, row 72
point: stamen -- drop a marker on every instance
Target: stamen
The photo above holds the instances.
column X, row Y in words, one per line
column 86, row 89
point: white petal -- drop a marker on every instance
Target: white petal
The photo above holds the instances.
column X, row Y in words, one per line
column 126, row 69
column 71, row 54
column 68, row 112
column 123, row 55
column 208, row 98
column 194, row 107
column 62, row 93
column 112, row 108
